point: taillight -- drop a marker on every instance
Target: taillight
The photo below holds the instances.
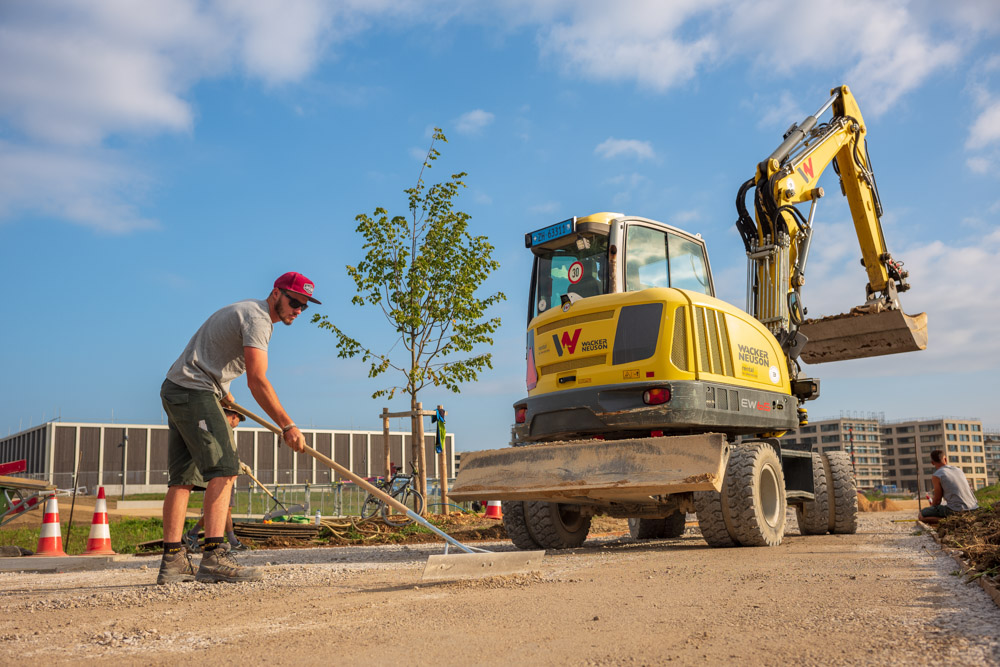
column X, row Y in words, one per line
column 656, row 396
column 531, row 379
column 520, row 414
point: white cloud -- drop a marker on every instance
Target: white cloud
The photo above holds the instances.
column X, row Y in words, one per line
column 901, row 64
column 88, row 187
column 545, row 207
column 638, row 39
column 979, row 165
column 78, row 72
column 681, row 218
column 611, row 148
column 473, row 122
column 81, row 72
column 983, row 141
column 278, row 41
column 986, row 129
column 885, row 50
column 961, row 331
column 780, row 113
column 418, row 154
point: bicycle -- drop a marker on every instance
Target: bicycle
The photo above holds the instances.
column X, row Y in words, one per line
column 400, row 487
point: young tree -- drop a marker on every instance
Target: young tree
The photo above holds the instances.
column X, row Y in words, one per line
column 423, row 271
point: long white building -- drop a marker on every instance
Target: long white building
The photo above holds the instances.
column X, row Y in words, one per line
column 106, row 453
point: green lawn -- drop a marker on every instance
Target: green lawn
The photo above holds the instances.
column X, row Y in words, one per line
column 988, row 496
column 125, row 534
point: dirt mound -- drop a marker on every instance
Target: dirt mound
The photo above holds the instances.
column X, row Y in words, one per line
column 884, row 505
column 977, row 535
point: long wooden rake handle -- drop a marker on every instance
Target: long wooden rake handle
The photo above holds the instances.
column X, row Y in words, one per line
column 330, row 463
column 261, row 485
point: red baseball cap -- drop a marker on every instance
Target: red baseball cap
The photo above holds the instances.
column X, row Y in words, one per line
column 298, row 283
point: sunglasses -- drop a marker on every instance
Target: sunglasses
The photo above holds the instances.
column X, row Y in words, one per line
column 295, row 303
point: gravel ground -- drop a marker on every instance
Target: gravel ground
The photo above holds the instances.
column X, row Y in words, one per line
column 884, row 595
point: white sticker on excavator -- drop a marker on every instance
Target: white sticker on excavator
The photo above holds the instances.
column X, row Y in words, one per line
column 774, row 374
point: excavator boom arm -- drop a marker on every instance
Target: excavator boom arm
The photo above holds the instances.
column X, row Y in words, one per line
column 779, row 237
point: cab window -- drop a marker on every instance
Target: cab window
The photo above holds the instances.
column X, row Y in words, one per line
column 578, row 268
column 655, row 258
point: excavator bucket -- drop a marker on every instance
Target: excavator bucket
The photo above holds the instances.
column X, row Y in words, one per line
column 857, row 335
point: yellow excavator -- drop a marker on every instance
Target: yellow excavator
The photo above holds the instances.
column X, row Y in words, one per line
column 649, row 398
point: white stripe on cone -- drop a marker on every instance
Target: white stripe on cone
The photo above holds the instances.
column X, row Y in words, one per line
column 99, row 541
column 493, row 510
column 50, row 537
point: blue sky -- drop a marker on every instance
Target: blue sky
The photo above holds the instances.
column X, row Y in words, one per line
column 159, row 160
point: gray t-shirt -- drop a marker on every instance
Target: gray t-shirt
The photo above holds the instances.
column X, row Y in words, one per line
column 213, row 357
column 956, row 489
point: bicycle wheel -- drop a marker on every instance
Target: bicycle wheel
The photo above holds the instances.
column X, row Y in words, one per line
column 413, row 500
column 370, row 507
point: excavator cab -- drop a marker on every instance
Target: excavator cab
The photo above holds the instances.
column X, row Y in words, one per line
column 609, row 253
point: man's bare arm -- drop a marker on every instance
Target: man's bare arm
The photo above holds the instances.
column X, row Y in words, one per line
column 263, row 392
column 938, row 491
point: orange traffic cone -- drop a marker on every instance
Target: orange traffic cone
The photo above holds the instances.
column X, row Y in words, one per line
column 99, row 542
column 493, row 510
column 50, row 539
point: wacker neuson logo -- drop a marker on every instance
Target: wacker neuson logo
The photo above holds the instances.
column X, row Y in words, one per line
column 569, row 342
column 753, row 355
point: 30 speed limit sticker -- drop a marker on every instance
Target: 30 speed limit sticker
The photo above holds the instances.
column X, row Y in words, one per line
column 575, row 272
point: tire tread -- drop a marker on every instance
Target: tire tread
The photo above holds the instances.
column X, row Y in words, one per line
column 750, row 529
column 708, row 507
column 844, row 494
column 546, row 527
column 516, row 525
column 814, row 515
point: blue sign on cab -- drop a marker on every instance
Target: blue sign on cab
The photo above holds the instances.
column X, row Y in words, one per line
column 546, row 234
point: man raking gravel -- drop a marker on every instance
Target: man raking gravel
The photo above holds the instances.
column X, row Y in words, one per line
column 233, row 341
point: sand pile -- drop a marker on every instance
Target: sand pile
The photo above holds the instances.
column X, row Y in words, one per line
column 884, row 505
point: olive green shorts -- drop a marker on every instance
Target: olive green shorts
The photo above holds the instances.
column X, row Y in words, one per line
column 200, row 443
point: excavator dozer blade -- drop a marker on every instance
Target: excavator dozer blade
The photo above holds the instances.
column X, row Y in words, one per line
column 857, row 335
column 594, row 470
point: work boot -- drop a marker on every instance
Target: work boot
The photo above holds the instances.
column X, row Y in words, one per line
column 239, row 546
column 176, row 567
column 220, row 565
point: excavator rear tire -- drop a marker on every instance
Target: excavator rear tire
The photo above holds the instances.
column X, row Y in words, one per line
column 673, row 525
column 755, row 495
column 646, row 529
column 651, row 529
column 843, row 493
column 556, row 525
column 711, row 521
column 516, row 526
column 814, row 515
